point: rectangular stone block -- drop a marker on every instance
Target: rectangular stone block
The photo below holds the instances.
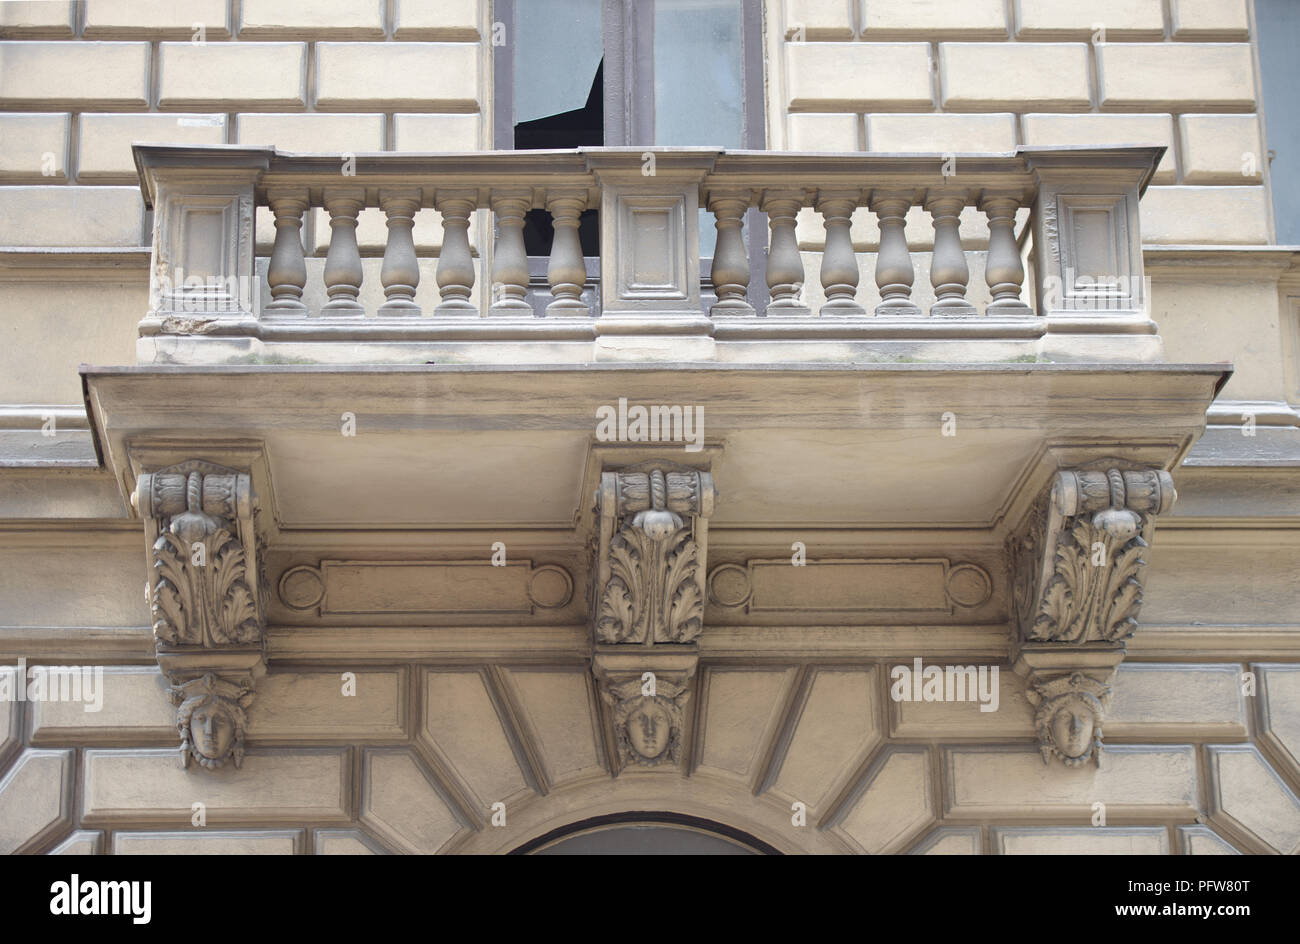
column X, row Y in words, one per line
column 135, row 709
column 39, row 73
column 35, row 146
column 833, row 133
column 1105, row 131
column 173, row 19
column 32, row 18
column 1065, row 19
column 70, row 216
column 944, row 134
column 1014, row 716
column 1202, row 76
column 1221, row 149
column 818, row 20
column 987, row 783
column 210, row 842
column 1210, row 215
column 965, row 18
column 435, row 132
column 268, row 74
column 1210, row 19
column 447, row 20
column 1160, row 701
column 350, row 134
column 1014, row 75
column 430, row 76
column 858, row 76
column 105, row 140
column 151, row 786
column 1082, row 840
column 357, row 19
column 325, row 706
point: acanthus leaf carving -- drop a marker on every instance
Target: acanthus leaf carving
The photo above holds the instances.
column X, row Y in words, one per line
column 649, row 575
column 1077, row 568
column 207, row 594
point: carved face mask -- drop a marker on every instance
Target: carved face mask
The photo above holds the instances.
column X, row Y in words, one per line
column 1072, row 727
column 212, row 730
column 648, row 729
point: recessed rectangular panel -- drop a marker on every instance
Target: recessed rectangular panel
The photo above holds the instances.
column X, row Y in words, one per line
column 654, row 265
column 848, row 585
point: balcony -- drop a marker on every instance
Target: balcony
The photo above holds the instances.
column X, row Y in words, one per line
column 870, row 258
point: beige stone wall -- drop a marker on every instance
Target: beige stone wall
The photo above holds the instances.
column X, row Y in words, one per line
column 958, row 76
column 79, row 82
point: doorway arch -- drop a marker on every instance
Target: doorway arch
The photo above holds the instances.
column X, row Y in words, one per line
column 646, row 833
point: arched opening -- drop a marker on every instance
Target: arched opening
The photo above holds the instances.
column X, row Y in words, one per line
column 646, row 833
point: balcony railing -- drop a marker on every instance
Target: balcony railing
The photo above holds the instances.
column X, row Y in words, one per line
column 1052, row 235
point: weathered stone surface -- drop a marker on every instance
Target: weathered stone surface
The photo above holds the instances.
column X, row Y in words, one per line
column 1201, row 840
column 436, row 76
column 341, row 134
column 1210, row 19
column 81, row 842
column 36, row 146
column 209, row 842
column 313, row 706
column 268, row 74
column 1210, row 215
column 271, row 786
column 399, row 802
column 1250, row 794
column 1147, row 75
column 962, row 719
column 896, row 804
column 282, row 18
column 462, row 724
column 1084, row 840
column 815, row 132
column 171, row 18
column 743, row 705
column 836, row 728
column 449, row 19
column 104, row 141
column 1002, row 75
column 950, row 840
column 559, row 712
column 942, row 134
column 71, row 216
column 135, row 709
column 35, row 798
column 345, row 842
column 1062, row 19
column 39, row 17
column 858, row 76
column 1106, row 130
column 1152, row 700
column 435, row 132
column 983, row 18
column 992, row 782
column 1279, row 693
column 36, row 73
column 1221, row 149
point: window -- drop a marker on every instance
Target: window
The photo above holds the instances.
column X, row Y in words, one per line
column 666, row 73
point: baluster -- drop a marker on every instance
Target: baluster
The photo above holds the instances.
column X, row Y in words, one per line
column 730, row 273
column 455, row 261
column 400, row 274
column 894, row 270
column 567, row 272
column 839, row 262
column 509, row 263
column 343, row 261
column 1003, row 270
column 948, row 270
column 784, row 265
column 286, row 272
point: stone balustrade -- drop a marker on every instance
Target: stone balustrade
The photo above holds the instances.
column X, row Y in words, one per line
column 1071, row 266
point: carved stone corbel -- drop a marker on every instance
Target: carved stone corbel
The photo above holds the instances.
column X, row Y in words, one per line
column 648, row 594
column 1077, row 567
column 207, row 598
column 649, row 585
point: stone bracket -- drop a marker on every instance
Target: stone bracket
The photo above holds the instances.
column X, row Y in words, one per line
column 649, row 577
column 1077, row 567
column 207, row 595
